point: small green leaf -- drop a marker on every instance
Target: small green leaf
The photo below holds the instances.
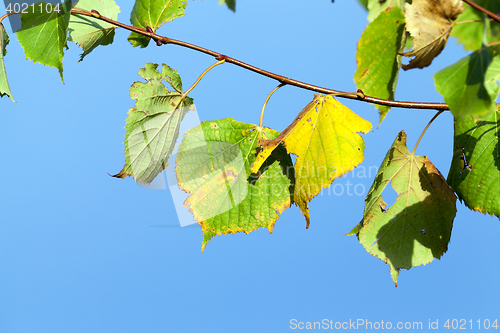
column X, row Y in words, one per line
column 152, row 125
column 43, row 34
column 231, row 4
column 214, row 168
column 153, row 14
column 363, row 3
column 376, row 7
column 89, row 32
column 417, row 227
column 4, row 83
column 469, row 86
column 377, row 56
column 470, row 34
column 475, row 168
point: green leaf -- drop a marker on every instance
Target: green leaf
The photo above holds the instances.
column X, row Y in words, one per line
column 377, row 56
column 475, row 168
column 214, row 168
column 469, row 86
column 152, row 125
column 153, row 14
column 364, row 3
column 376, row 7
column 231, row 4
column 43, row 34
column 471, row 34
column 89, row 32
column 4, row 83
column 172, row 77
column 417, row 227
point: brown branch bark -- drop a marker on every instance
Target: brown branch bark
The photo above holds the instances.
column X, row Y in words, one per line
column 282, row 79
column 484, row 10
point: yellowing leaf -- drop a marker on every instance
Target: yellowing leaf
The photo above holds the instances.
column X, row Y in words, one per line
column 324, row 138
column 417, row 227
column 430, row 23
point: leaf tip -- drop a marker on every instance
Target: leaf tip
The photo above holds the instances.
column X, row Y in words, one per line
column 395, row 274
column 122, row 174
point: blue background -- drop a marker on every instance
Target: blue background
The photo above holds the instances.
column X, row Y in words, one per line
column 81, row 251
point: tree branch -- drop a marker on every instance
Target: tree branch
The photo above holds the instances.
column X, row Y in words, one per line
column 484, row 10
column 282, row 79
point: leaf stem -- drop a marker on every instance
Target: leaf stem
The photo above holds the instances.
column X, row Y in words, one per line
column 184, row 94
column 484, row 10
column 425, row 130
column 469, row 21
column 267, row 100
column 202, row 75
column 280, row 78
column 7, row 15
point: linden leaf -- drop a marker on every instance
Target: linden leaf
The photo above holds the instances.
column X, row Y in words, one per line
column 43, row 34
column 471, row 34
column 152, row 125
column 417, row 227
column 376, row 7
column 364, row 3
column 324, row 138
column 89, row 32
column 470, row 86
column 429, row 22
column 377, row 56
column 475, row 168
column 214, row 161
column 231, row 4
column 153, row 14
column 4, row 83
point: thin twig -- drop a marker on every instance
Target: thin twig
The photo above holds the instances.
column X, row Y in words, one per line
column 282, row 79
column 484, row 10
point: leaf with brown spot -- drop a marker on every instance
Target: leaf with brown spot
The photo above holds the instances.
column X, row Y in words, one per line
column 214, row 168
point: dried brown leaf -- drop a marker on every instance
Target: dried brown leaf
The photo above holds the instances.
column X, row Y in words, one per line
column 430, row 23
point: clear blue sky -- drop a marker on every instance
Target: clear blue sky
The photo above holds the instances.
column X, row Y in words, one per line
column 83, row 252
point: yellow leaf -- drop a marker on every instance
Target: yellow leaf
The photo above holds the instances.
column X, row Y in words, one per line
column 324, row 138
column 430, row 23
